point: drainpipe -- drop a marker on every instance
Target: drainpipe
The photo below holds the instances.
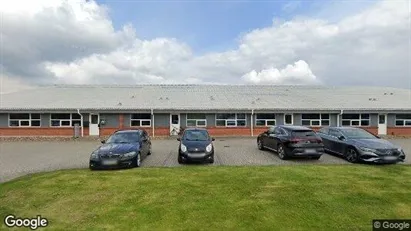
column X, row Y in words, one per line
column 152, row 125
column 252, row 122
column 338, row 118
column 81, row 117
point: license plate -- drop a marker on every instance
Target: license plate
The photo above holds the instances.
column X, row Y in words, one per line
column 310, row 151
column 110, row 162
column 390, row 158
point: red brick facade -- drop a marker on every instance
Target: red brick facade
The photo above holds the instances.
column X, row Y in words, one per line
column 165, row 131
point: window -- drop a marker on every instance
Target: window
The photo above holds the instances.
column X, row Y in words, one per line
column 335, row 133
column 140, row 120
column 196, row 120
column 230, row 120
column 65, row 119
column 279, row 131
column 315, row 119
column 265, row 119
column 323, row 130
column 403, row 120
column 356, row 120
column 288, row 119
column 24, row 120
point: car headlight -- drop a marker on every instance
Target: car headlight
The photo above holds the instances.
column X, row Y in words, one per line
column 94, row 156
column 209, row 148
column 183, row 148
column 364, row 149
column 129, row 154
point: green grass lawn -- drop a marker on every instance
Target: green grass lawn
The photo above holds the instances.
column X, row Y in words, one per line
column 343, row 197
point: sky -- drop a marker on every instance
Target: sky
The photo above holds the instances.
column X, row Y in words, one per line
column 338, row 43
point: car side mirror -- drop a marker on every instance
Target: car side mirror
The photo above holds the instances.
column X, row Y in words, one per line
column 212, row 139
column 378, row 137
column 179, row 139
column 341, row 138
column 103, row 141
column 144, row 139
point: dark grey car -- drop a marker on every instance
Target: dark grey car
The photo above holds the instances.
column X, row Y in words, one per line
column 359, row 145
column 291, row 141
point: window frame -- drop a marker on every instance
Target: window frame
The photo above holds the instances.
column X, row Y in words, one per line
column 320, row 119
column 403, row 121
column 265, row 120
column 140, row 120
column 71, row 120
column 359, row 120
column 30, row 120
column 292, row 119
column 235, row 120
column 197, row 120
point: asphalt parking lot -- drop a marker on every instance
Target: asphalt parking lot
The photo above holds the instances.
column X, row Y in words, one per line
column 21, row 158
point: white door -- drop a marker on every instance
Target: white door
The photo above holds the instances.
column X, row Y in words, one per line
column 174, row 124
column 382, row 124
column 93, row 125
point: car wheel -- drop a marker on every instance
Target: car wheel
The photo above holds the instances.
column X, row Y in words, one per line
column 281, row 152
column 137, row 161
column 351, row 155
column 180, row 160
column 260, row 144
column 149, row 151
column 211, row 161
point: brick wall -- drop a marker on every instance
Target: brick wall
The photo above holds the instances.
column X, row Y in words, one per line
column 399, row 131
column 37, row 131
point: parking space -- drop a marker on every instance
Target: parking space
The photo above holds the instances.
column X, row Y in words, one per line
column 20, row 158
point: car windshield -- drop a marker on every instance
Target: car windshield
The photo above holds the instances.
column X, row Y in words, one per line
column 124, row 137
column 196, row 135
column 303, row 133
column 357, row 134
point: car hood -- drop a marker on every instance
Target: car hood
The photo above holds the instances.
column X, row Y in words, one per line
column 196, row 144
column 117, row 148
column 373, row 143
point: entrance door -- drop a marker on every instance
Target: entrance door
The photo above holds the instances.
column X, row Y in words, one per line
column 382, row 124
column 174, row 124
column 93, row 125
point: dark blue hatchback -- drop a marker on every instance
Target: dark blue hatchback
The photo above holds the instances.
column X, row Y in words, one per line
column 126, row 148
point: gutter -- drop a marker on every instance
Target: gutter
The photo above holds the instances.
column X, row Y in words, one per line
column 152, row 116
column 252, row 122
column 81, row 117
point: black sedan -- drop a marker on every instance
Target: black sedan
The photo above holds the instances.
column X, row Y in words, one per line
column 124, row 148
column 196, row 145
column 359, row 145
column 291, row 141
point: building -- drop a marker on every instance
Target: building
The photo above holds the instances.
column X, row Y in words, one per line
column 224, row 109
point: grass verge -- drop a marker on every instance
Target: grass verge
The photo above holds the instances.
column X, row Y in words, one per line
column 310, row 197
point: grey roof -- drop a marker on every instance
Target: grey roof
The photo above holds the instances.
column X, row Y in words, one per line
column 206, row 97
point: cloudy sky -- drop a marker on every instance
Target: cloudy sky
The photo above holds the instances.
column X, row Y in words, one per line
column 243, row 42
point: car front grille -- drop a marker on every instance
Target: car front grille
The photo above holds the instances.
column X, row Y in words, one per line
column 388, row 152
column 110, row 156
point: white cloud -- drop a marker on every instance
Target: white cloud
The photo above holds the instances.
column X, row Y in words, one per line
column 75, row 42
column 299, row 73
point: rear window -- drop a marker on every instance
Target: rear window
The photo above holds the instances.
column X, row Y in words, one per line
column 303, row 133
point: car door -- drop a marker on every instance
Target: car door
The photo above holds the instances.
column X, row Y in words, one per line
column 279, row 136
column 323, row 133
column 270, row 139
column 337, row 145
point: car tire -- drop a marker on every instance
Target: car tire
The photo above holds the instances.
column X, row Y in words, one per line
column 180, row 160
column 351, row 155
column 282, row 152
column 211, row 161
column 260, row 144
column 137, row 160
column 149, row 151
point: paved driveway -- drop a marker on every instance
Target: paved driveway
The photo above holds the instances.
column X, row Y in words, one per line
column 21, row 158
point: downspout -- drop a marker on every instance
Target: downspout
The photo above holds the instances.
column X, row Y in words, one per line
column 252, row 122
column 152, row 126
column 81, row 117
column 338, row 118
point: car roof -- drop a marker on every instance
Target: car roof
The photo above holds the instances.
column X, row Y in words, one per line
column 344, row 128
column 130, row 131
column 294, row 127
column 193, row 129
